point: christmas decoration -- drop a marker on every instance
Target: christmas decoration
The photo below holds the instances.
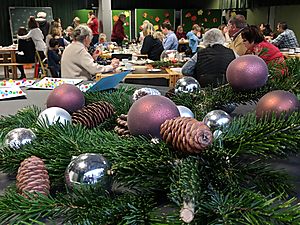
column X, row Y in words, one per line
column 187, row 85
column 193, row 18
column 66, row 96
column 231, row 182
column 33, row 176
column 19, row 137
column 143, row 92
column 147, row 114
column 54, row 115
column 185, row 111
column 122, row 127
column 247, row 72
column 88, row 169
column 157, row 19
column 217, row 119
column 93, row 114
column 186, row 134
column 277, row 102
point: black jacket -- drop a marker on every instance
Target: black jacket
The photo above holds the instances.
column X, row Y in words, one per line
column 153, row 47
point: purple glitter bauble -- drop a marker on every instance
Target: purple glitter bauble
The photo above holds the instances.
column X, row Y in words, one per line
column 277, row 102
column 147, row 114
column 247, row 72
column 66, row 96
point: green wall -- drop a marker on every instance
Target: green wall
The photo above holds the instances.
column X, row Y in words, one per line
column 289, row 14
column 82, row 14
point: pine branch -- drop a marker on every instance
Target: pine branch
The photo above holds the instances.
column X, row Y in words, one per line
column 247, row 207
column 82, row 206
column 24, row 118
column 275, row 138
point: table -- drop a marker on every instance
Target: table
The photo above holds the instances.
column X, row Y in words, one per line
column 141, row 72
column 287, row 55
column 9, row 61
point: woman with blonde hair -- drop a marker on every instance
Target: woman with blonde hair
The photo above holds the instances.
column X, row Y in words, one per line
column 142, row 36
column 152, row 46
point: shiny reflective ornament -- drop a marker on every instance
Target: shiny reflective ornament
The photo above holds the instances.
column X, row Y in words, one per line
column 217, row 134
column 18, row 137
column 88, row 169
column 170, row 56
column 217, row 119
column 54, row 115
column 185, row 111
column 143, row 92
column 187, row 85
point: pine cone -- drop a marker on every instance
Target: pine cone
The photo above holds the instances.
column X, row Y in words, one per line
column 186, row 134
column 33, row 177
column 122, row 127
column 93, row 114
column 170, row 93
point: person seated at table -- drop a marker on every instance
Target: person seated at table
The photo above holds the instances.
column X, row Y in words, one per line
column 170, row 41
column 141, row 37
column 37, row 37
column 151, row 46
column 286, row 37
column 225, row 32
column 68, row 34
column 180, row 34
column 256, row 44
column 54, row 57
column 266, row 29
column 102, row 41
column 209, row 65
column 194, row 38
column 26, row 51
column 56, row 33
column 76, row 62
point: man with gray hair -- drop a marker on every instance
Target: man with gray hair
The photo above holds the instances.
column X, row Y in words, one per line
column 76, row 61
column 209, row 65
column 235, row 27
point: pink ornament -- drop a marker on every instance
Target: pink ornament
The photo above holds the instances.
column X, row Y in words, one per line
column 66, row 96
column 147, row 114
column 247, row 72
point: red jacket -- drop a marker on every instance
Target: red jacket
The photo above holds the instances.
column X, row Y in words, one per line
column 118, row 31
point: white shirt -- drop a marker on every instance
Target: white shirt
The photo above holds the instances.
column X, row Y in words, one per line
column 37, row 37
column 76, row 62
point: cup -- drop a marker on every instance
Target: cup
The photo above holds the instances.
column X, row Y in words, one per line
column 128, row 66
column 291, row 51
column 124, row 61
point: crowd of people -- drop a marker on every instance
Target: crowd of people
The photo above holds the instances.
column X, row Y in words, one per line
column 68, row 51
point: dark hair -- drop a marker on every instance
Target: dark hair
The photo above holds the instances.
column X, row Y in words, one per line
column 53, row 42
column 91, row 13
column 22, row 31
column 166, row 25
column 283, row 25
column 32, row 23
column 239, row 21
column 56, row 19
column 252, row 34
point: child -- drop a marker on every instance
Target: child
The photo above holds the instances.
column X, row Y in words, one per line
column 54, row 56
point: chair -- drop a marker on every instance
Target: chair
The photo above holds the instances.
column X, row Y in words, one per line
column 39, row 63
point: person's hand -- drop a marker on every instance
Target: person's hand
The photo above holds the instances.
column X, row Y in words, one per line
column 115, row 63
column 96, row 54
column 125, row 39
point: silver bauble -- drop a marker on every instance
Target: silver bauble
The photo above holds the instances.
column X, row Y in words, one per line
column 143, row 92
column 54, row 115
column 88, row 169
column 18, row 137
column 217, row 119
column 185, row 111
column 187, row 85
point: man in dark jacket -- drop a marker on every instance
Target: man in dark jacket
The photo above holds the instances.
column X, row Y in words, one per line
column 118, row 33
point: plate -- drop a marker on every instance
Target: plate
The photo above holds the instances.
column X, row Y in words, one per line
column 154, row 70
column 127, row 69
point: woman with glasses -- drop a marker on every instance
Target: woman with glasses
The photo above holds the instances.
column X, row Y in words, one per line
column 255, row 43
